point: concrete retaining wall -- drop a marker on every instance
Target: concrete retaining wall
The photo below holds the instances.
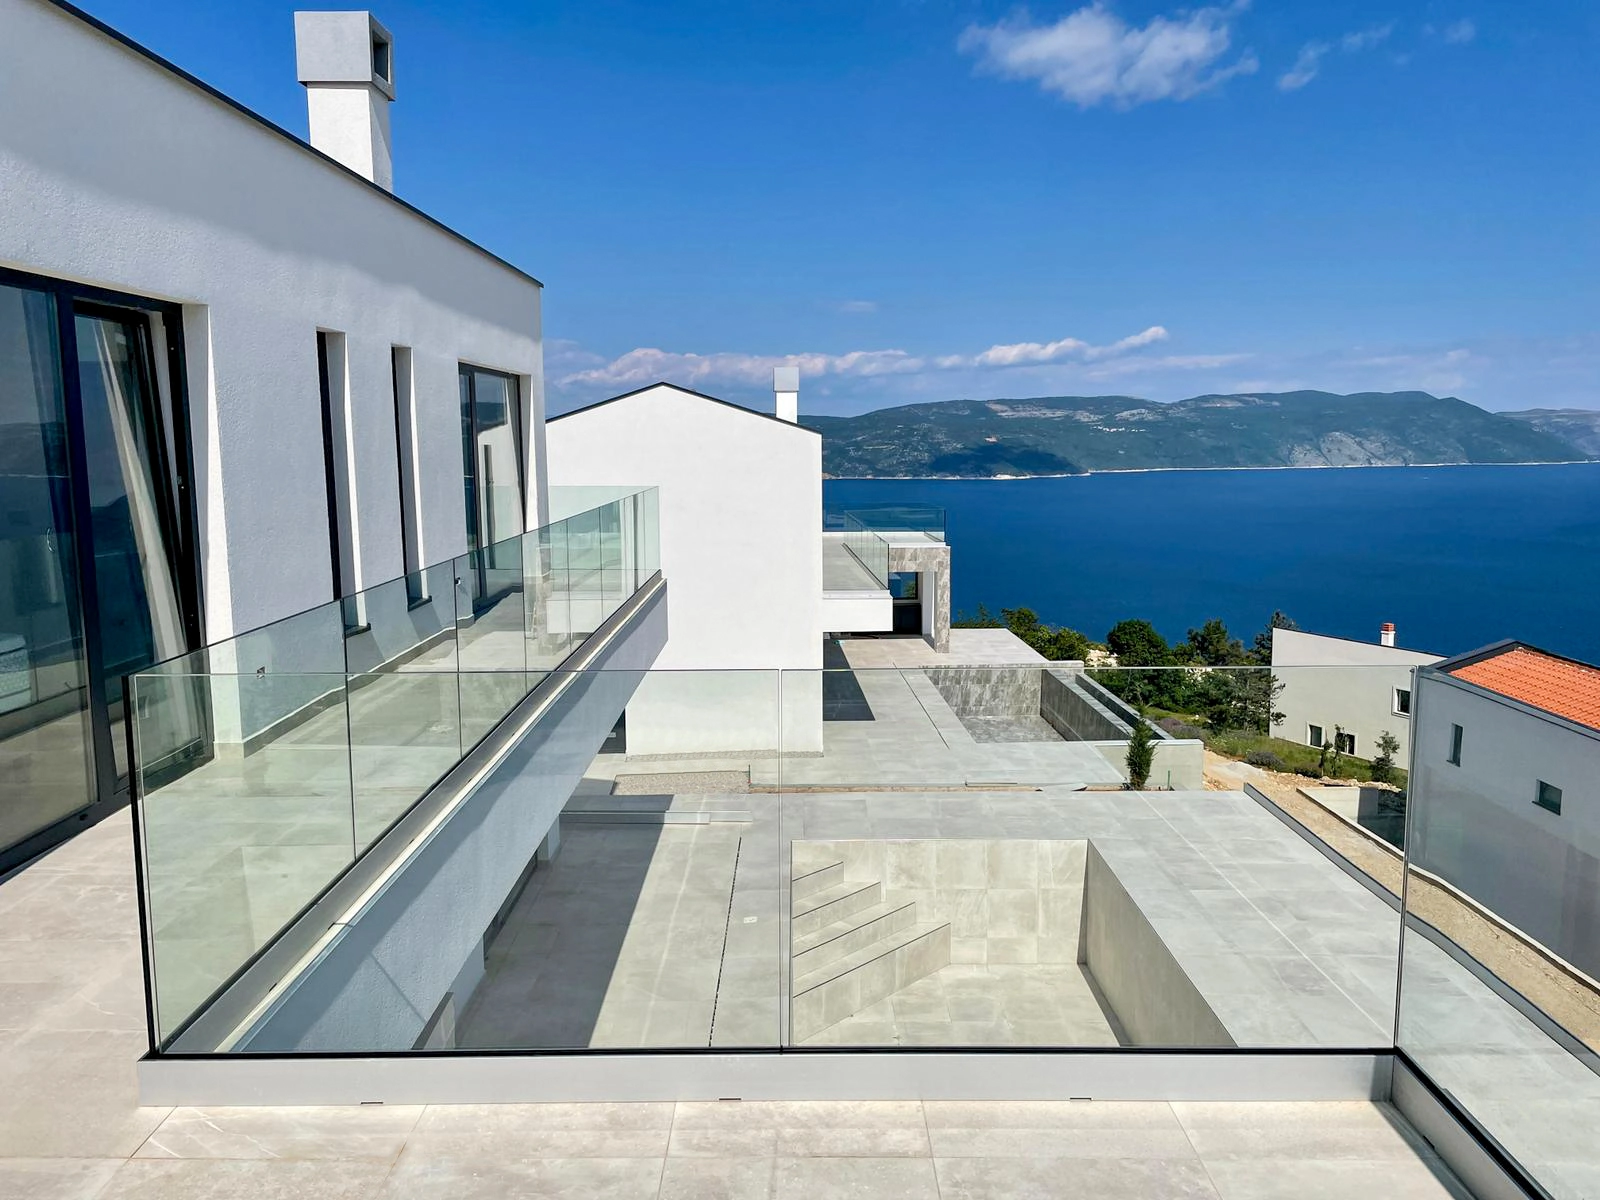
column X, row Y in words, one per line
column 1155, row 1002
column 1076, row 713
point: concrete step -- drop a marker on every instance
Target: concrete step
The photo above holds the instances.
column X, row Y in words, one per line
column 844, row 987
column 855, row 932
column 813, row 882
column 810, row 914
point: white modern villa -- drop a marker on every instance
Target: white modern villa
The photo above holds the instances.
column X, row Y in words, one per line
column 369, row 741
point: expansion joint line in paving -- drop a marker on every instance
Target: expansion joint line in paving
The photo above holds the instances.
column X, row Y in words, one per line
column 727, row 928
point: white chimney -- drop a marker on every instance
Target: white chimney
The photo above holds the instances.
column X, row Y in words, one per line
column 1386, row 634
column 786, row 393
column 346, row 61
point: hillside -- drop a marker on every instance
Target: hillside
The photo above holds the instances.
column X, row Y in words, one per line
column 1580, row 426
column 1052, row 435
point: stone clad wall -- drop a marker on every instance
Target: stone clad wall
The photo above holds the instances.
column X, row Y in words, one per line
column 988, row 691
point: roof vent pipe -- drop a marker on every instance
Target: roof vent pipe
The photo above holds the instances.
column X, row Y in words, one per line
column 1386, row 634
column 346, row 61
column 786, row 393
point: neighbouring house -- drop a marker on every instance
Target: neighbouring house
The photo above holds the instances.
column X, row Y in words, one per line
column 1504, row 791
column 1361, row 689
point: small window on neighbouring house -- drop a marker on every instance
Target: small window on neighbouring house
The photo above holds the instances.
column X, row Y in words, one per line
column 1347, row 743
column 1455, row 745
column 1402, row 702
column 1548, row 797
column 1314, row 736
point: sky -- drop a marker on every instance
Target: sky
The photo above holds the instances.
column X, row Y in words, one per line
column 919, row 200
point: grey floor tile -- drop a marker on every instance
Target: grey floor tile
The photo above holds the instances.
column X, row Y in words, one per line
column 351, row 1133
column 719, row 1179
column 1061, row 1178
column 55, row 1178
column 856, row 1179
column 1334, row 1179
column 222, row 1179
column 426, row 1177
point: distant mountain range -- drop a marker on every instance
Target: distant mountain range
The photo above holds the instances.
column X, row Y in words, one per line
column 1068, row 435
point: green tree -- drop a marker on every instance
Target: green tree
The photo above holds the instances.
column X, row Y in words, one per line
column 1261, row 651
column 1141, row 754
column 1055, row 642
column 1383, row 765
column 1138, row 644
column 1211, row 646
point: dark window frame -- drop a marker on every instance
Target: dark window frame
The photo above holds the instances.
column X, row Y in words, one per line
column 1547, row 796
column 177, row 448
column 1457, row 737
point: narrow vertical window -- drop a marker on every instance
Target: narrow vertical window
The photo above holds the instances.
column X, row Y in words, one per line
column 332, row 373
column 405, row 440
column 1455, row 745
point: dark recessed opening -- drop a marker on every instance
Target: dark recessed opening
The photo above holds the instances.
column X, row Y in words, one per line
column 380, row 58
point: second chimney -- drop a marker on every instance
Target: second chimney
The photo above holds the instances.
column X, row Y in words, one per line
column 1386, row 634
column 346, row 61
column 786, row 393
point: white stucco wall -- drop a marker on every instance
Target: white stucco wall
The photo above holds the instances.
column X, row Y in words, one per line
column 741, row 550
column 133, row 178
column 1330, row 681
column 1477, row 825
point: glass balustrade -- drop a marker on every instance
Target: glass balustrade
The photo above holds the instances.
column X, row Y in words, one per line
column 267, row 764
column 1037, row 856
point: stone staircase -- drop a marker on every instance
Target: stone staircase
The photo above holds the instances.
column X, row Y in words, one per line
column 850, row 949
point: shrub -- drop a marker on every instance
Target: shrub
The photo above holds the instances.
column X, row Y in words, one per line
column 1266, row 759
column 1181, row 729
column 1383, row 765
column 1141, row 755
column 1309, row 772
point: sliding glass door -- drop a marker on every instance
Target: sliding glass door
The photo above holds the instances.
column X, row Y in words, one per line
column 96, row 544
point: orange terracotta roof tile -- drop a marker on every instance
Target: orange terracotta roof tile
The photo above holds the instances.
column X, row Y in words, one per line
column 1557, row 685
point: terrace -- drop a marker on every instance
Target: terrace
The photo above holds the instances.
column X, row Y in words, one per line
column 958, row 867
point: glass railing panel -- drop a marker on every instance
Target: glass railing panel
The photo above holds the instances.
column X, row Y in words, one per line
column 243, row 833
column 491, row 639
column 261, row 780
column 1049, row 864
column 585, row 576
column 1500, row 982
column 404, row 703
column 549, row 605
column 650, row 532
column 610, row 534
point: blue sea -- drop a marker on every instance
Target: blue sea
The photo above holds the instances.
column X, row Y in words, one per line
column 1456, row 557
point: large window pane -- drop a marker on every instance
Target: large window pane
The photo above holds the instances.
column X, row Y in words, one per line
column 44, row 729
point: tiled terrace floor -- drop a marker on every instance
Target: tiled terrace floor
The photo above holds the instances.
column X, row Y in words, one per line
column 72, row 1024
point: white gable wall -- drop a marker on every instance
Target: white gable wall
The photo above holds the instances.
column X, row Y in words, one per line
column 741, row 550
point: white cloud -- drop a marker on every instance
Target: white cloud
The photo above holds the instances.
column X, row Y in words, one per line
column 1093, row 57
column 1460, row 32
column 855, row 307
column 646, row 365
column 1309, row 62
